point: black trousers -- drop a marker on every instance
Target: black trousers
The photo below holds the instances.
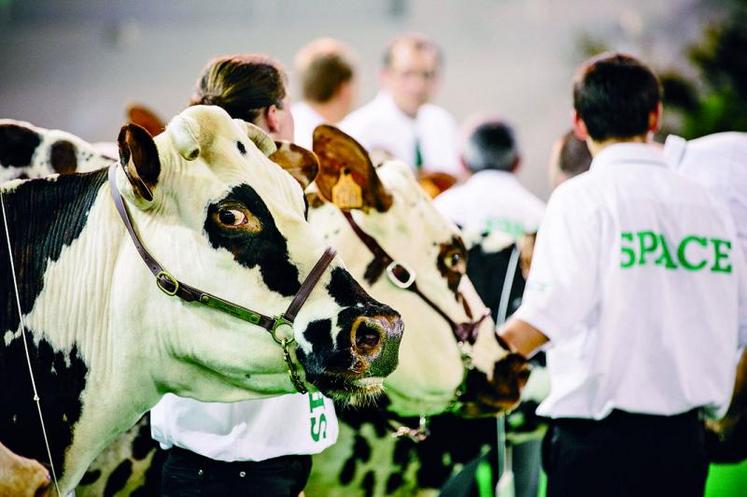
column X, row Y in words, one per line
column 186, row 474
column 626, row 455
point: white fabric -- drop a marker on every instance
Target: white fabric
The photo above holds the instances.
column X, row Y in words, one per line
column 492, row 200
column 305, row 120
column 718, row 162
column 251, row 430
column 380, row 124
column 646, row 338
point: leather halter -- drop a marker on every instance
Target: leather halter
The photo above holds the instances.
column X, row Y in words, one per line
column 463, row 332
column 279, row 327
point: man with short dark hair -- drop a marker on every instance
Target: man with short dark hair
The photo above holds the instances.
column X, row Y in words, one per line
column 638, row 288
column 401, row 121
column 326, row 71
column 492, row 199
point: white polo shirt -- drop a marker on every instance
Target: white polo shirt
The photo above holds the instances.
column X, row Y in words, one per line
column 718, row 162
column 305, row 120
column 250, row 430
column 380, row 124
column 639, row 285
column 492, row 200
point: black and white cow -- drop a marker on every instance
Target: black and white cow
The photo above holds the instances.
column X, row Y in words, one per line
column 430, row 369
column 27, row 151
column 105, row 343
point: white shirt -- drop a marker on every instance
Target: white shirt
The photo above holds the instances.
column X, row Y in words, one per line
column 305, row 120
column 492, row 200
column 380, row 124
column 250, row 430
column 631, row 330
column 718, row 162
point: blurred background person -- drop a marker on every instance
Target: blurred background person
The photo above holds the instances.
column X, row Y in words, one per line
column 326, row 71
column 492, row 199
column 569, row 157
column 401, row 121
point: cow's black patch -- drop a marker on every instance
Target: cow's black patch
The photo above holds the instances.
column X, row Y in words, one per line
column 241, row 147
column 394, row 483
column 62, row 157
column 90, row 477
column 143, row 444
column 118, row 479
column 43, row 217
column 345, row 290
column 17, row 145
column 361, row 449
column 348, row 471
column 368, row 484
column 319, row 335
column 267, row 248
column 487, row 271
column 60, row 379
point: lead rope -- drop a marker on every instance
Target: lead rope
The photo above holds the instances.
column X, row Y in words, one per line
column 26, row 346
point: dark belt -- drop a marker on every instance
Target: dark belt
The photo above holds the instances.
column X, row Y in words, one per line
column 198, row 462
column 618, row 418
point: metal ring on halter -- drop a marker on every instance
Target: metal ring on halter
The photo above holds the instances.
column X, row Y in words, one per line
column 282, row 331
column 390, row 272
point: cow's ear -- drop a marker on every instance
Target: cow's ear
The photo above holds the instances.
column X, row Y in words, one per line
column 346, row 176
column 145, row 117
column 299, row 162
column 139, row 158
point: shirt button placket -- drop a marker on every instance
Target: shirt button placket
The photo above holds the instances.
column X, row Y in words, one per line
column 242, row 474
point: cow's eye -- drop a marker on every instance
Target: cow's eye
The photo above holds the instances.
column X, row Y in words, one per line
column 232, row 217
column 454, row 261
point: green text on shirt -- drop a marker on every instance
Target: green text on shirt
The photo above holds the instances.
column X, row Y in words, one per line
column 692, row 252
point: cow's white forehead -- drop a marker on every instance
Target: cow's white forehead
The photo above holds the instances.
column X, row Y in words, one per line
column 227, row 158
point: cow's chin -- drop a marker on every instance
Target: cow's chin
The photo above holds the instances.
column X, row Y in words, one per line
column 347, row 390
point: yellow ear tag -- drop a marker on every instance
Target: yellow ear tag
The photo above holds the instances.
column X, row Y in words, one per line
column 347, row 194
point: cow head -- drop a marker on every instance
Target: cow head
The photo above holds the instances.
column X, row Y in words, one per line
column 27, row 151
column 387, row 204
column 220, row 216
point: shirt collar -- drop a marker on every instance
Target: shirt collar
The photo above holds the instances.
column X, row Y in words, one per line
column 619, row 153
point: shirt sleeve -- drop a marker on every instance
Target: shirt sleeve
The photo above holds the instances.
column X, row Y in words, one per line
column 562, row 286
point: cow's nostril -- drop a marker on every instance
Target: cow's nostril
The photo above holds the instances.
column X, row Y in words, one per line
column 367, row 335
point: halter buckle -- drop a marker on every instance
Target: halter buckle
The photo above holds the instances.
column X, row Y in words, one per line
column 164, row 276
column 391, row 272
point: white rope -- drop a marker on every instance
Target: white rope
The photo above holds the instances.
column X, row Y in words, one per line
column 508, row 284
column 26, row 346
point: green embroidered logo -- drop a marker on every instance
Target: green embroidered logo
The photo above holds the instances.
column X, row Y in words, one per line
column 318, row 419
column 692, row 253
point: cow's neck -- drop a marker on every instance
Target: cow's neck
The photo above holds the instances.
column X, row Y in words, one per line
column 66, row 239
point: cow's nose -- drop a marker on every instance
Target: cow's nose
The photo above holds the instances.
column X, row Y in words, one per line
column 368, row 334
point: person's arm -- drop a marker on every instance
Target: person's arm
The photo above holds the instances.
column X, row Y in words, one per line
column 521, row 337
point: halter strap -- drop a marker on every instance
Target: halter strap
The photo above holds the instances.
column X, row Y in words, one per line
column 466, row 332
column 173, row 287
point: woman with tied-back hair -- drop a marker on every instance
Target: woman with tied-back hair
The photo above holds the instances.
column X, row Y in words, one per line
column 257, row 447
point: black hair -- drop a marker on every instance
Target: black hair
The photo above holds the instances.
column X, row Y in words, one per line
column 614, row 95
column 491, row 145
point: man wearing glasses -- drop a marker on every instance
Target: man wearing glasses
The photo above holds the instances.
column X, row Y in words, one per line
column 400, row 122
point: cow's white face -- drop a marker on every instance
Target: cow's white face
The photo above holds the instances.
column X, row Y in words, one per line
column 402, row 219
column 227, row 220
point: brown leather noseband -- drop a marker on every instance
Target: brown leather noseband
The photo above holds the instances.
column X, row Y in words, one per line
column 280, row 327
